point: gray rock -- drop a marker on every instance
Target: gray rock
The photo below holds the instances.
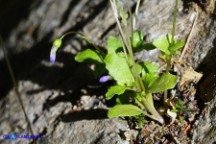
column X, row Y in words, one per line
column 46, row 89
column 63, row 126
column 92, row 132
column 204, row 131
column 204, row 59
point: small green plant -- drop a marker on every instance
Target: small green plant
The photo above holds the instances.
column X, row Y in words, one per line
column 140, row 119
column 180, row 109
column 135, row 82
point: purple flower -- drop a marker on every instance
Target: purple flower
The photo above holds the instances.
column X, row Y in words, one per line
column 56, row 44
column 104, row 79
column 53, row 54
column 52, row 58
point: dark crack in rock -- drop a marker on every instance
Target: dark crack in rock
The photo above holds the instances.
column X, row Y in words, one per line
column 204, row 130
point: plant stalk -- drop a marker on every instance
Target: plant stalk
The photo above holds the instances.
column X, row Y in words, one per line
column 113, row 5
column 127, row 40
column 16, row 86
column 156, row 116
column 169, row 58
column 174, row 22
column 130, row 50
column 136, row 14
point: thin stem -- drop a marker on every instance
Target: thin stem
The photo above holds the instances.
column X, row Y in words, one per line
column 124, row 40
column 124, row 49
column 84, row 37
column 174, row 22
column 168, row 67
column 143, row 107
column 169, row 58
column 127, row 41
column 130, row 50
column 137, row 7
column 168, row 61
column 131, row 18
column 16, row 86
column 165, row 95
column 156, row 115
column 115, row 12
column 136, row 13
column 148, row 105
column 129, row 35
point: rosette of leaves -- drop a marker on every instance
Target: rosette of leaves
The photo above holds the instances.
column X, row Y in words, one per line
column 131, row 99
column 134, row 81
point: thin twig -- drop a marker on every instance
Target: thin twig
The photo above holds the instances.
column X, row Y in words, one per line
column 189, row 36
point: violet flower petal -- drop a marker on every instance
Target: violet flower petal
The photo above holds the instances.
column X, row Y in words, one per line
column 53, row 54
column 104, row 79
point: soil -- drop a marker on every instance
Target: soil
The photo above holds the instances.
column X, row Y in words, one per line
column 65, row 103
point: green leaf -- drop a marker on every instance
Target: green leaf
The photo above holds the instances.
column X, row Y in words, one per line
column 137, row 39
column 188, row 109
column 139, row 67
column 175, row 110
column 149, row 67
column 149, row 78
column 148, row 75
column 179, row 44
column 181, row 118
column 124, row 110
column 163, row 44
column 115, row 90
column 138, row 96
column 149, row 72
column 119, row 69
column 113, row 44
column 88, row 54
column 162, row 83
column 178, row 52
column 179, row 104
column 140, row 123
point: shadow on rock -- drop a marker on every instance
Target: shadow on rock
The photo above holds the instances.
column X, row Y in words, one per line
column 27, row 65
column 208, row 81
column 201, row 3
column 11, row 13
column 84, row 115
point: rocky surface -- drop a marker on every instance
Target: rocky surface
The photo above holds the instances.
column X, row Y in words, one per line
column 53, row 114
column 204, row 130
column 93, row 132
column 63, row 101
